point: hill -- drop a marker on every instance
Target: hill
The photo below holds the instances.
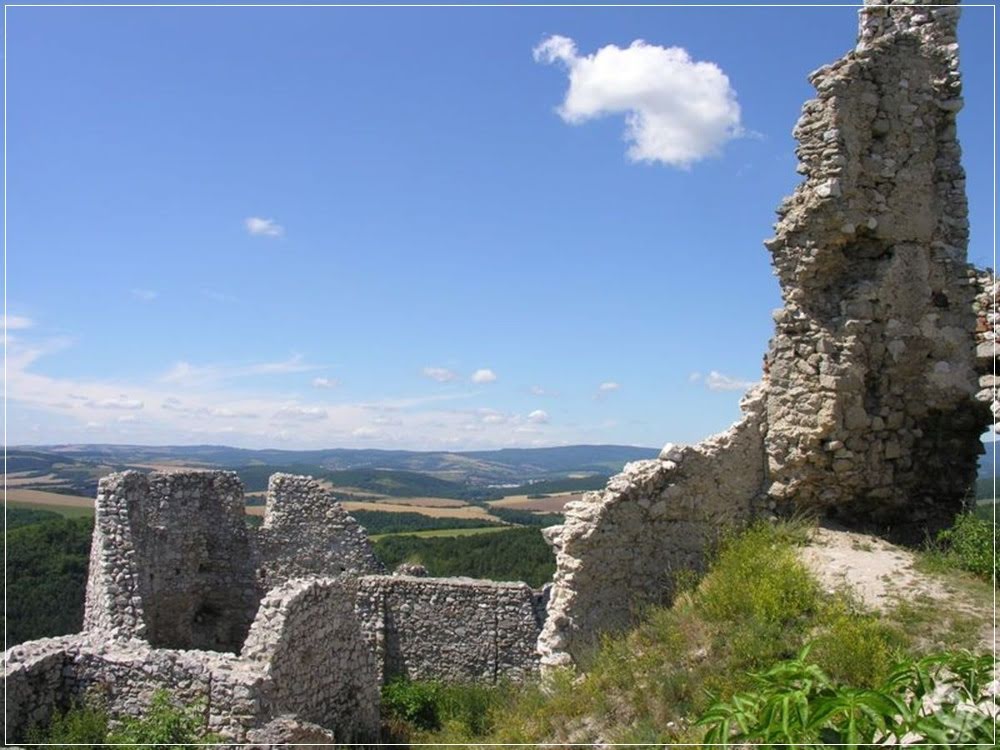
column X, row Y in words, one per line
column 509, row 466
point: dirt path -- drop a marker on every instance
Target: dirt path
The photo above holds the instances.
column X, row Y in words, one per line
column 883, row 575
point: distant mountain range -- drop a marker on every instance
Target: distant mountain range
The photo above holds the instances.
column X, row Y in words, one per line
column 508, row 466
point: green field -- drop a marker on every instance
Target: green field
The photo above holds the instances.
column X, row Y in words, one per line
column 66, row 511
column 444, row 532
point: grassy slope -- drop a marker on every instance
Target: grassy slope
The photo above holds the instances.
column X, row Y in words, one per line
column 649, row 684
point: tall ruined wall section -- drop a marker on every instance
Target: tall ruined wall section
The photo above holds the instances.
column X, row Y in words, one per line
column 868, row 408
column 307, row 532
column 170, row 561
column 452, row 629
column 871, row 408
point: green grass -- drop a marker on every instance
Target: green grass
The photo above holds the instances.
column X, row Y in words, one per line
column 967, row 546
column 434, row 533
column 757, row 606
column 66, row 511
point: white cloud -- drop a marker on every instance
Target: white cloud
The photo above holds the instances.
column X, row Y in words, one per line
column 367, row 433
column 694, row 377
column 263, row 227
column 184, row 373
column 16, row 322
column 440, row 374
column 325, row 383
column 677, row 111
column 609, row 387
column 145, row 295
column 484, row 376
column 537, row 390
column 491, row 416
column 538, row 416
column 121, row 402
column 716, row 381
column 300, row 414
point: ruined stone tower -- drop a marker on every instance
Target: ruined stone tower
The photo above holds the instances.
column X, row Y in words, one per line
column 870, row 407
column 867, row 411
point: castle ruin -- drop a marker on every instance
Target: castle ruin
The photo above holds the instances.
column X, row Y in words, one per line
column 876, row 389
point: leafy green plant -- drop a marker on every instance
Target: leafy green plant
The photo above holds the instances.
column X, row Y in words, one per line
column 796, row 703
column 415, row 703
column 86, row 725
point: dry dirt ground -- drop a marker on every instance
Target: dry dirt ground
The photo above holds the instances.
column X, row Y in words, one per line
column 885, row 577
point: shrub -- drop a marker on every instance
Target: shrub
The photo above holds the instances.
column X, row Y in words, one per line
column 415, row 703
column 758, row 577
column 970, row 543
column 86, row 725
column 854, row 647
column 461, row 710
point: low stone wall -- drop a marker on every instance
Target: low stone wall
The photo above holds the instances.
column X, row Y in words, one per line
column 305, row 656
column 452, row 629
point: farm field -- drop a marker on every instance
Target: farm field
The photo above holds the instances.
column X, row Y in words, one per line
column 67, row 511
column 548, row 504
column 23, row 478
column 46, row 499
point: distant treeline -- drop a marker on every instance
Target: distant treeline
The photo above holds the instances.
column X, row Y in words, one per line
column 46, row 574
column 526, row 517
column 379, row 481
column 380, row 522
column 514, row 555
column 553, row 486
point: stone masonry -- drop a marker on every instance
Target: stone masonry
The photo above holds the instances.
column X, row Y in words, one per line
column 867, row 410
column 286, row 631
column 877, row 384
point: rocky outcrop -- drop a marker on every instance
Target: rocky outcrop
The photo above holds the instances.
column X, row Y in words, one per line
column 868, row 409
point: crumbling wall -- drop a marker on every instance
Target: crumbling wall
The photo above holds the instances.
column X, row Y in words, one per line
column 867, row 410
column 619, row 549
column 453, row 629
column 305, row 655
column 871, row 409
column 987, row 335
column 307, row 532
column 170, row 561
column 308, row 641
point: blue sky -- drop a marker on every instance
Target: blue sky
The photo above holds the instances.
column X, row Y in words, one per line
column 333, row 227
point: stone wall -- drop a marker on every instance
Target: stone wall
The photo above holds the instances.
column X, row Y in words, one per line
column 308, row 641
column 871, row 408
column 619, row 549
column 868, row 409
column 305, row 656
column 307, row 532
column 170, row 560
column 452, row 629
column 987, row 335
